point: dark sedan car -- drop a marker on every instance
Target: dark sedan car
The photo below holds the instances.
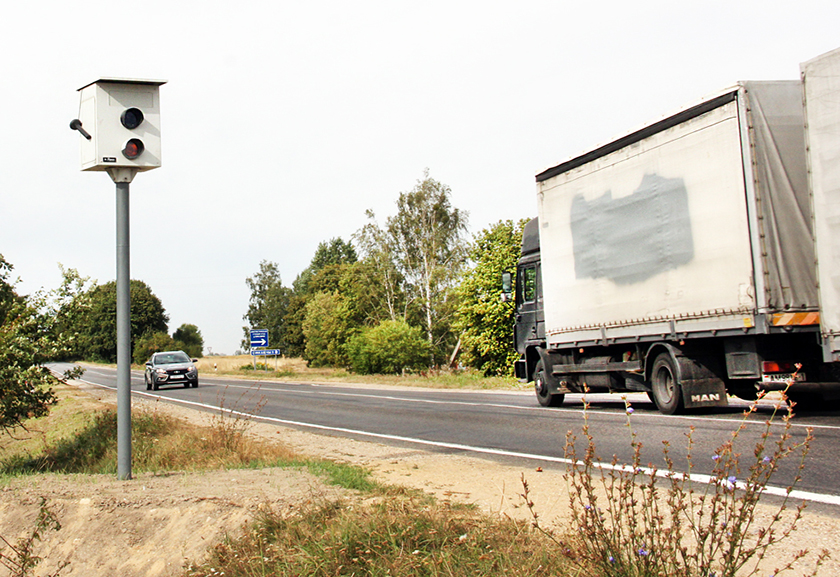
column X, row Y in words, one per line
column 170, row 368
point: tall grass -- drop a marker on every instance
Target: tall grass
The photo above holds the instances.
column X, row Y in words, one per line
column 399, row 535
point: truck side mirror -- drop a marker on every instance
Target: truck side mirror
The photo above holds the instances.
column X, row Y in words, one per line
column 507, row 286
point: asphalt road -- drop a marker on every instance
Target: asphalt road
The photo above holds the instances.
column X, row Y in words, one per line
column 511, row 427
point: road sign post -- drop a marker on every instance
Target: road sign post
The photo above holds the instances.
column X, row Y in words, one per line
column 265, row 353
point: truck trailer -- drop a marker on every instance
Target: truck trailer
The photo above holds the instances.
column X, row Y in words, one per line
column 694, row 258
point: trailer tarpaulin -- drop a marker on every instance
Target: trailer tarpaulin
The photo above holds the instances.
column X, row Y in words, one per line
column 783, row 203
column 821, row 80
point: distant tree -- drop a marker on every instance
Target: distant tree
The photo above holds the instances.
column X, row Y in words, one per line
column 334, row 252
column 485, row 322
column 387, row 287
column 29, row 337
column 71, row 301
column 296, row 312
column 188, row 338
column 152, row 343
column 329, row 256
column 268, row 306
column 96, row 322
column 326, row 327
column 425, row 248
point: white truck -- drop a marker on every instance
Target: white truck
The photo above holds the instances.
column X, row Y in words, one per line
column 694, row 258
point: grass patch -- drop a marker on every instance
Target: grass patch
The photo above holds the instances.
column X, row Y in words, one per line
column 159, row 443
column 71, row 414
column 80, row 436
column 403, row 535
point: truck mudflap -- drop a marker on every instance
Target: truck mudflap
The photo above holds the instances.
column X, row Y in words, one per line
column 699, row 393
column 701, row 386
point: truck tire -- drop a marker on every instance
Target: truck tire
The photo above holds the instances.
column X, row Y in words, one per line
column 665, row 385
column 545, row 398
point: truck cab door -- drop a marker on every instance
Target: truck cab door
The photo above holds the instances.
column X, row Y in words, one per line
column 530, row 317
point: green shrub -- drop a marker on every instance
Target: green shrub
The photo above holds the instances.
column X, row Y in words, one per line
column 389, row 348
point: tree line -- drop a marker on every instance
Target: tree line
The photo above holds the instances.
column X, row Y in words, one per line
column 409, row 294
column 86, row 314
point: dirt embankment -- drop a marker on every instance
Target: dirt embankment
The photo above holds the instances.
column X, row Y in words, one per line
column 153, row 525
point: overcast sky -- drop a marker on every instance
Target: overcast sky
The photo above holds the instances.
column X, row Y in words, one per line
column 282, row 122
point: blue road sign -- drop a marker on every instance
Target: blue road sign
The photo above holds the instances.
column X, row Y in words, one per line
column 259, row 338
column 268, row 352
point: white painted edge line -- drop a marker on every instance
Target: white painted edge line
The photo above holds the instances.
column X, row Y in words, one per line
column 695, row 478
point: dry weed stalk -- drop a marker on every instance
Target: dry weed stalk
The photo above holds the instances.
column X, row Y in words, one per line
column 625, row 525
column 230, row 425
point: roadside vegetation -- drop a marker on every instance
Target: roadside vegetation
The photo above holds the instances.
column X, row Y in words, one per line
column 402, row 535
column 628, row 519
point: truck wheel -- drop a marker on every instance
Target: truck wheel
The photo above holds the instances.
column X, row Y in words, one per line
column 545, row 398
column 665, row 386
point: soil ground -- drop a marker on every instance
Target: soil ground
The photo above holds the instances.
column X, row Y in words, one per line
column 154, row 524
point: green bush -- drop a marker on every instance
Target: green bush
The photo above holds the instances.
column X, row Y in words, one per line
column 389, row 348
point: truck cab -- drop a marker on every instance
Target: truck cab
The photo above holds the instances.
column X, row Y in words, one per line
column 529, row 332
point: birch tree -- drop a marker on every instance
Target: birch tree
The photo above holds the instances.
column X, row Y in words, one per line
column 421, row 250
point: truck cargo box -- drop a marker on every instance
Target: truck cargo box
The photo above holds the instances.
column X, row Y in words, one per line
column 699, row 224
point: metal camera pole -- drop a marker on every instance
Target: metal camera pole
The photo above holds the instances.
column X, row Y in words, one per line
column 122, row 178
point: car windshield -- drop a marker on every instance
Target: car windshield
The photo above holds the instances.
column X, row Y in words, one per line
column 170, row 358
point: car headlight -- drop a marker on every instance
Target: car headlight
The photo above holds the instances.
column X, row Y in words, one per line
column 161, row 372
column 192, row 370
